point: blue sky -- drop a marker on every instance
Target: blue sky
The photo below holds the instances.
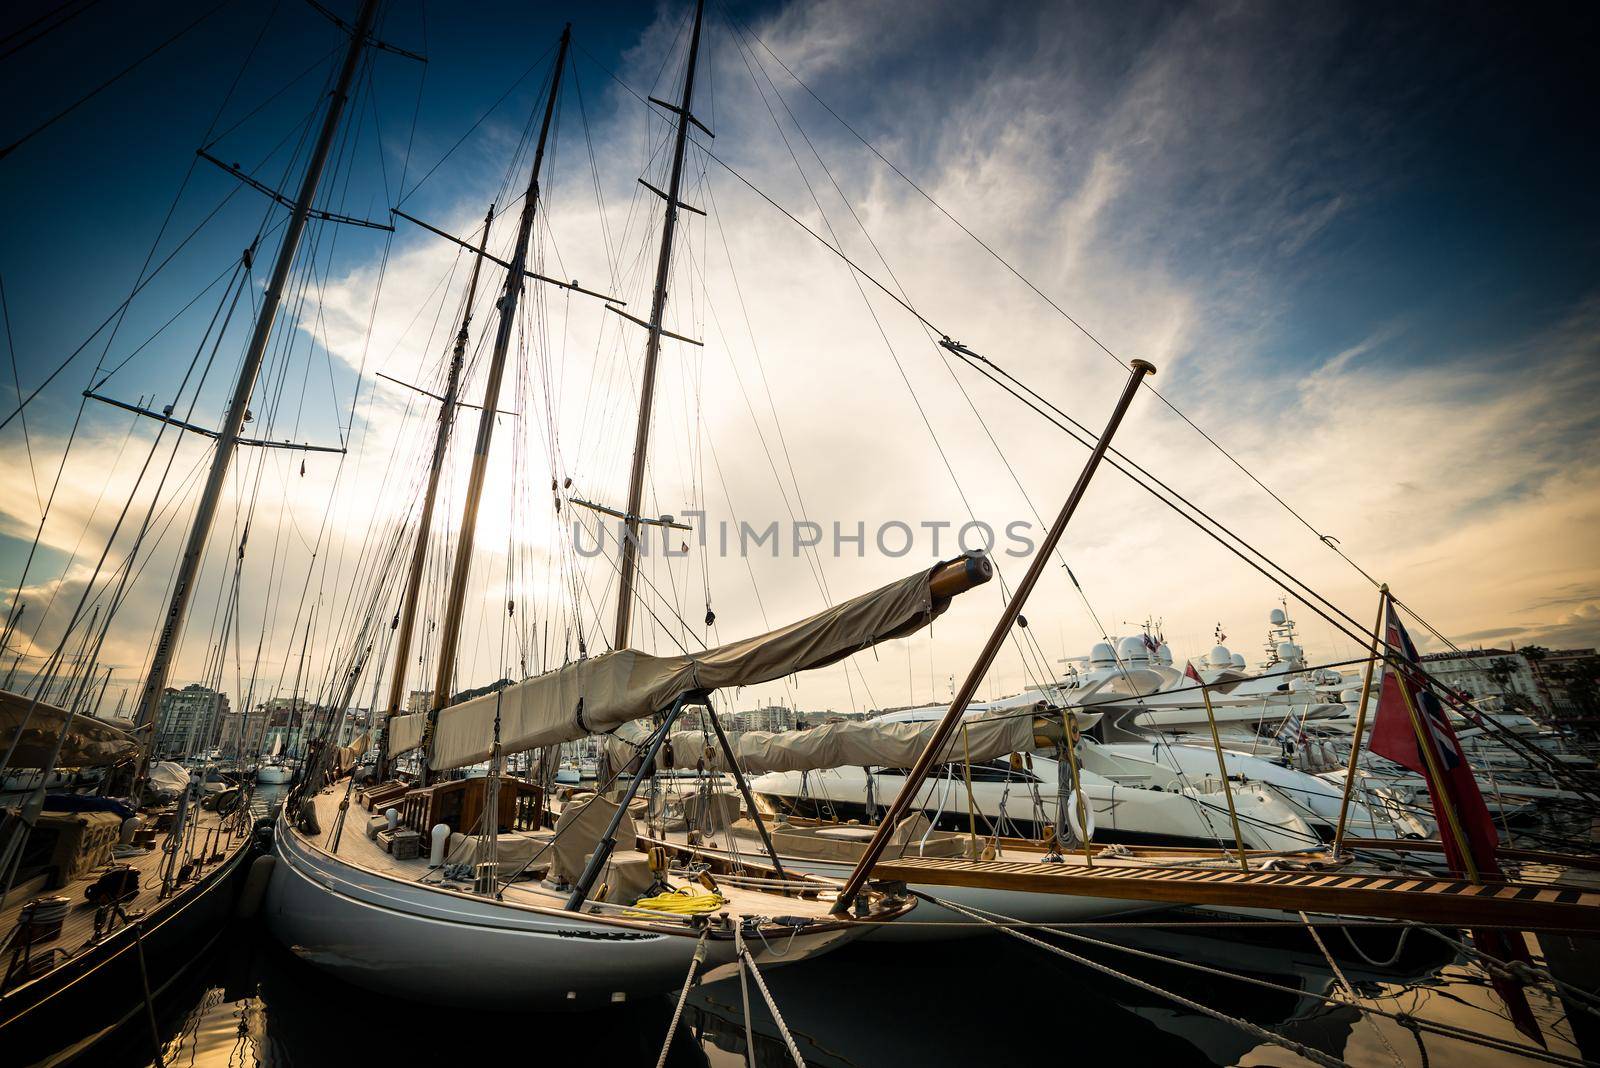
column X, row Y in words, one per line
column 1359, row 241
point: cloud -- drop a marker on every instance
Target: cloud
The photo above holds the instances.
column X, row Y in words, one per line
column 1172, row 178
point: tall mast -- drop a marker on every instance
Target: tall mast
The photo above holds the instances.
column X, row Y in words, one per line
column 658, row 304
column 441, row 440
column 228, row 437
column 451, row 636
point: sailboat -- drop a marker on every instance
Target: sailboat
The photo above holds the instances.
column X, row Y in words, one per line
column 275, row 771
column 149, row 888
column 586, row 912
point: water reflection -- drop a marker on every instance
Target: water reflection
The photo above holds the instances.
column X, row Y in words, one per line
column 966, row 1002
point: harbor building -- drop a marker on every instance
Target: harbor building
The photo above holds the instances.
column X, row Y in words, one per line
column 771, row 718
column 1554, row 683
column 190, row 720
column 241, row 732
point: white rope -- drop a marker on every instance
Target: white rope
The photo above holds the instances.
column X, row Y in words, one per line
column 744, row 996
column 1349, row 991
column 683, row 996
column 766, row 995
column 1522, row 972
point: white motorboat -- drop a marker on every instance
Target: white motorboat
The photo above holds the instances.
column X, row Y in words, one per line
column 1022, row 803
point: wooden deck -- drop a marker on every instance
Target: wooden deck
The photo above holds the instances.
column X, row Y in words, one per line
column 1445, row 901
column 356, row 848
column 77, row 929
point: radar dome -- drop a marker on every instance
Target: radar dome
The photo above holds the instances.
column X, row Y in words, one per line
column 1238, row 661
column 1102, row 655
column 1278, row 617
column 1220, row 657
column 1288, row 651
column 1164, row 654
column 1133, row 648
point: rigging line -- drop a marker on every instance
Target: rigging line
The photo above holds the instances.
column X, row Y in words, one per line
column 594, row 169
column 52, row 664
column 118, row 314
column 52, row 13
column 1353, row 630
column 97, row 385
column 783, row 444
column 1029, row 638
column 856, row 274
column 14, row 612
column 1058, row 309
column 377, row 131
column 405, row 195
column 779, row 207
column 211, row 142
column 416, row 110
column 255, row 46
column 115, row 312
column 58, row 116
column 242, row 276
column 27, row 439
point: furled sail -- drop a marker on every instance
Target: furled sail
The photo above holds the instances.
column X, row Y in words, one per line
column 597, row 695
column 90, row 742
column 844, row 743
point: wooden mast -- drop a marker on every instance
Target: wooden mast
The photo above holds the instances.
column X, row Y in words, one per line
column 419, row 552
column 1008, row 617
column 228, row 436
column 515, row 279
column 658, row 304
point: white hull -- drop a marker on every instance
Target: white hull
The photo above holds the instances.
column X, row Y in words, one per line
column 1131, row 814
column 427, row 944
column 273, row 774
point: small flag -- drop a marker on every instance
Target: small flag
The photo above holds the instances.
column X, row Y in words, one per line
column 1190, row 673
column 1293, row 730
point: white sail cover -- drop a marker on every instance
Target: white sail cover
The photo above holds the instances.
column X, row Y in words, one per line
column 842, row 744
column 597, row 695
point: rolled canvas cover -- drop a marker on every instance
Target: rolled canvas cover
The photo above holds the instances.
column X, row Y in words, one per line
column 405, row 732
column 597, row 695
column 872, row 743
column 35, row 728
column 881, row 745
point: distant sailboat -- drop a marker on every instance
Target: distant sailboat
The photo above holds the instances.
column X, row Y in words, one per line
column 275, row 771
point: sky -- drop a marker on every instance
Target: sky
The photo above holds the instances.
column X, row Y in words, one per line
column 1357, row 241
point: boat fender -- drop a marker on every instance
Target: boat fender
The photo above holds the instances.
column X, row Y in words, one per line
column 1084, row 834
column 308, row 817
column 392, row 816
column 255, row 887
column 441, row 837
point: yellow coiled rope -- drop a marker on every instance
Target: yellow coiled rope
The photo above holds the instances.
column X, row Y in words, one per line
column 683, row 902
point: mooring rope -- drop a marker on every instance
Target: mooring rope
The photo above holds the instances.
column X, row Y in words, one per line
column 683, row 995
column 1350, row 990
column 766, row 995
